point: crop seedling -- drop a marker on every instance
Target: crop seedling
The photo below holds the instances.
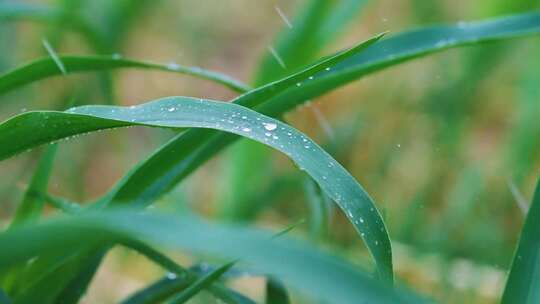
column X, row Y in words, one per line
column 52, row 248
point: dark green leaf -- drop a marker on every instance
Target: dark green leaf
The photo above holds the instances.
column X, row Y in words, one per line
column 523, row 284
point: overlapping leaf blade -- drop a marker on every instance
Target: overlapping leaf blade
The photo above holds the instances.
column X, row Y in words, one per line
column 299, row 265
column 182, row 112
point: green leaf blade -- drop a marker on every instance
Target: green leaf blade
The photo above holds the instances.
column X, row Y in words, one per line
column 523, row 283
column 182, row 112
column 402, row 48
column 32, row 205
column 202, row 283
column 46, row 67
column 320, row 275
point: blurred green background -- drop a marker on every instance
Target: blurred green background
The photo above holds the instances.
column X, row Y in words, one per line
column 448, row 145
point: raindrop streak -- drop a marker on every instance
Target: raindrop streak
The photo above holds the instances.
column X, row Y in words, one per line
column 518, row 197
column 54, row 56
column 270, row 126
column 277, row 57
column 283, row 17
column 323, row 122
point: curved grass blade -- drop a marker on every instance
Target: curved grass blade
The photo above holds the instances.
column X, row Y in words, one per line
column 186, row 152
column 180, row 279
column 183, row 112
column 523, row 284
column 401, row 48
column 183, row 154
column 201, row 284
column 46, row 67
column 173, row 165
column 315, row 27
column 320, row 275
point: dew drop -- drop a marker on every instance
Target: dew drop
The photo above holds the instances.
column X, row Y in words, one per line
column 269, row 126
column 171, row 109
column 441, row 43
column 171, row 276
column 173, row 66
column 246, row 129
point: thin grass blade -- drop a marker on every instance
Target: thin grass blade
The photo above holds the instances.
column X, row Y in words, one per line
column 47, row 67
column 523, row 283
column 201, row 284
column 32, row 204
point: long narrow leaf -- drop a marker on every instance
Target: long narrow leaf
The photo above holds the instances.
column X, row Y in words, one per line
column 46, row 67
column 185, row 153
column 296, row 263
column 523, row 285
column 182, row 112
